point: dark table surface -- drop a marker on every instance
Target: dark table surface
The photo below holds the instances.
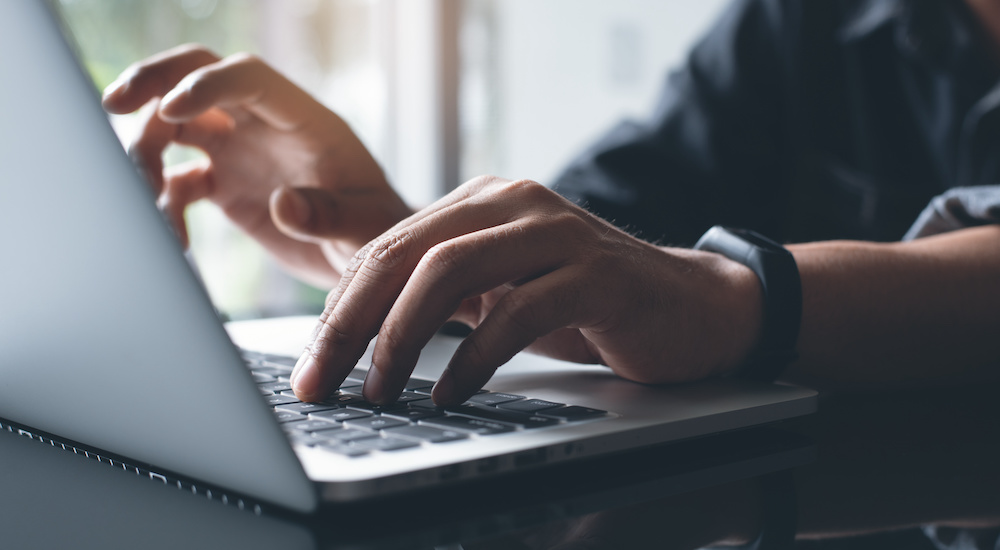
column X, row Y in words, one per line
column 871, row 470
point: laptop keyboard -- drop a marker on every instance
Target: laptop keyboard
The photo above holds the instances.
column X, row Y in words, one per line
column 348, row 425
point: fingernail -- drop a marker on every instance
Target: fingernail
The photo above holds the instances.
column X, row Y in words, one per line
column 301, row 210
column 305, row 376
column 116, row 87
column 374, row 386
column 444, row 388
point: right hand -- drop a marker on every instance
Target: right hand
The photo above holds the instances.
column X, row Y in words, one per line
column 283, row 168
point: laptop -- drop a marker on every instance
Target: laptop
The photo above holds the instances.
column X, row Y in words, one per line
column 108, row 340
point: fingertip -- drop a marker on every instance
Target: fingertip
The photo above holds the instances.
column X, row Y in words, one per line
column 290, row 210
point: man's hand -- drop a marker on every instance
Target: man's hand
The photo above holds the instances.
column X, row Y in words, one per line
column 284, row 168
column 527, row 269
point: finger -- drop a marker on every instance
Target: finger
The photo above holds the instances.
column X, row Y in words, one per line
column 184, row 185
column 207, row 132
column 154, row 77
column 241, row 80
column 147, row 146
column 448, row 274
column 319, row 215
column 523, row 315
column 367, row 289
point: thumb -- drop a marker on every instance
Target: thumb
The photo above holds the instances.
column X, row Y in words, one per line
column 307, row 214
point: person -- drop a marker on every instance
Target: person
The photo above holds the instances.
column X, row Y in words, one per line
column 806, row 121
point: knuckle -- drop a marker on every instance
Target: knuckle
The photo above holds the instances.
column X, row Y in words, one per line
column 481, row 182
column 531, row 191
column 330, row 338
column 445, row 260
column 389, row 253
column 244, row 59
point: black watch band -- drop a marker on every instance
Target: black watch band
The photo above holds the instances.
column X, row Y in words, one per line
column 779, row 278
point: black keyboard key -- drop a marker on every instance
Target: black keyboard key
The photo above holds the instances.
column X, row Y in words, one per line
column 412, row 414
column 275, row 387
column 523, row 420
column 529, row 405
column 426, row 433
column 306, row 408
column 471, row 425
column 386, row 444
column 344, row 399
column 491, row 398
column 273, row 371
column 280, row 360
column 346, row 435
column 375, row 423
column 415, row 384
column 352, row 384
column 341, row 415
column 276, row 399
column 262, row 378
column 288, row 416
column 311, row 426
column 378, row 409
column 408, row 396
column 425, row 403
column 573, row 413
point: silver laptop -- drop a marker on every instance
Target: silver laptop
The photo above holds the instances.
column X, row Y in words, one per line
column 108, row 339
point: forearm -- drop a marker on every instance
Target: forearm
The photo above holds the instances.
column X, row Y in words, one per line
column 923, row 311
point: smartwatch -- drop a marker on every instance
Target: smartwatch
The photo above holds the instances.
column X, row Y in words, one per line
column 779, row 279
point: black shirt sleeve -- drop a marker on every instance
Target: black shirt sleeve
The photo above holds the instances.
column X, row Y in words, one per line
column 711, row 151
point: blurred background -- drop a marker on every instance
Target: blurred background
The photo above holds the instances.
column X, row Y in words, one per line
column 438, row 90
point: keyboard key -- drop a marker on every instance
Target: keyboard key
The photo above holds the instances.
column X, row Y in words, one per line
column 306, row 408
column 408, row 396
column 415, row 384
column 467, row 424
column 341, row 415
column 573, row 413
column 262, row 378
column 386, row 444
column 513, row 417
column 412, row 414
column 426, row 433
column 280, row 360
column 314, row 426
column 352, row 384
column 426, row 403
column 494, row 399
column 347, row 434
column 288, row 416
column 275, row 387
column 344, row 399
column 529, row 405
column 375, row 423
column 279, row 399
column 272, row 370
column 378, row 409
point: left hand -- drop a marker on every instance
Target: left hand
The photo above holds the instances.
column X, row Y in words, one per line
column 528, row 269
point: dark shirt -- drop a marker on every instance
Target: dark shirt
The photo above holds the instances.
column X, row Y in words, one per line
column 806, row 120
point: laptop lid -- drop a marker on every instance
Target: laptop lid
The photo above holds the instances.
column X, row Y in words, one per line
column 106, row 336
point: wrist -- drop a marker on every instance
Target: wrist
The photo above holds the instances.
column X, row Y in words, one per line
column 731, row 302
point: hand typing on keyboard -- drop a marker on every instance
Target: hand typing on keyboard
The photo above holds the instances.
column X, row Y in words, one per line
column 513, row 259
column 527, row 269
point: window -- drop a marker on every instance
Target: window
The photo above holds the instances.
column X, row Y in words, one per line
column 439, row 90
